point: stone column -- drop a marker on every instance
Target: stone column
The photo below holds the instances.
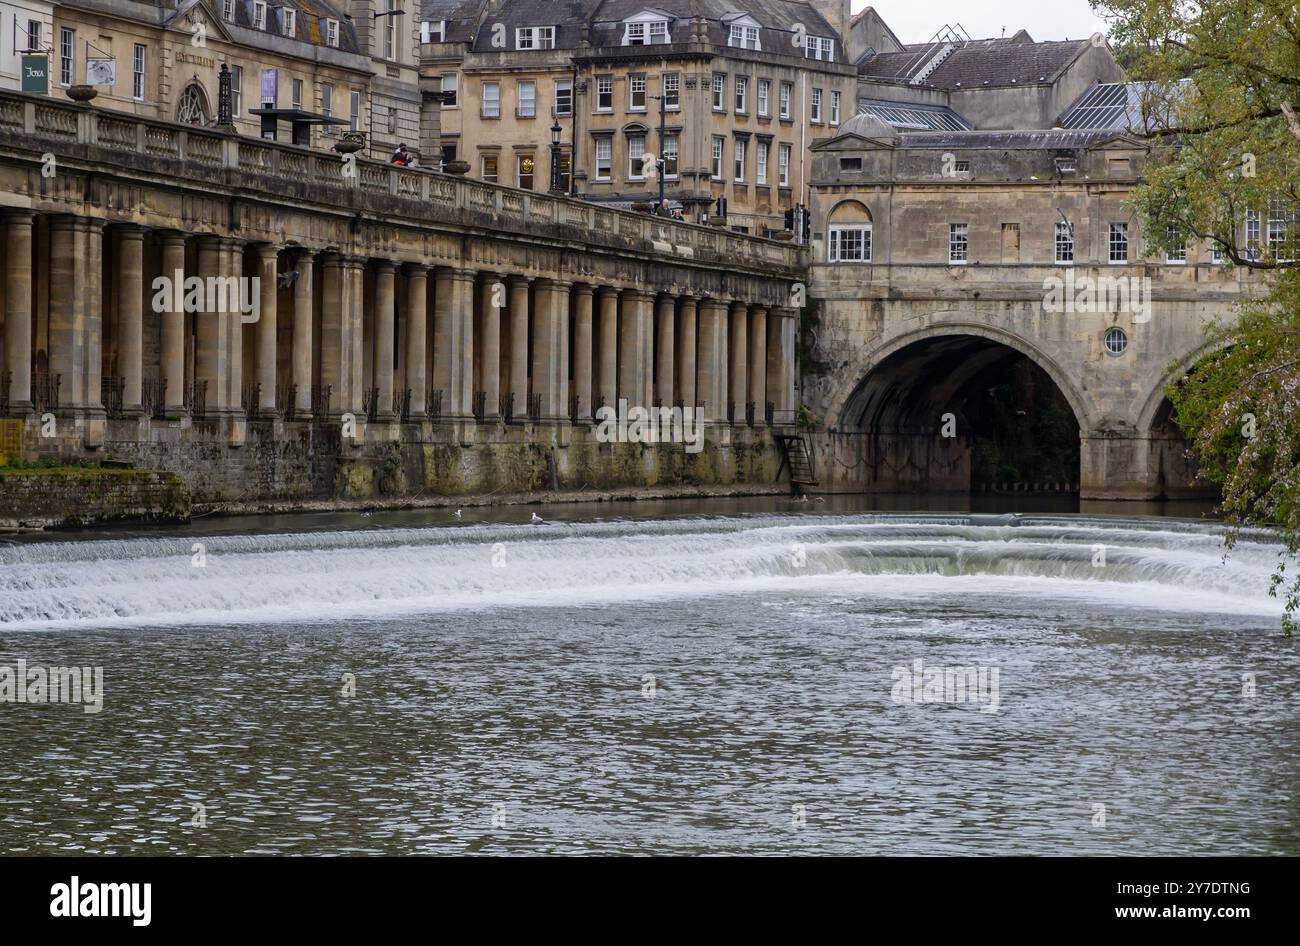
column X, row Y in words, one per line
column 209, row 331
column 18, row 309
column 382, row 368
column 607, row 381
column 781, row 324
column 632, row 374
column 758, row 363
column 75, row 316
column 172, row 329
column 302, row 333
column 686, row 353
column 332, row 307
column 551, row 348
column 491, row 296
column 738, row 362
column 355, row 280
column 582, row 350
column 232, row 267
column 453, row 342
column 664, row 387
column 267, row 323
column 417, row 296
column 130, row 316
column 519, row 343
column 712, row 358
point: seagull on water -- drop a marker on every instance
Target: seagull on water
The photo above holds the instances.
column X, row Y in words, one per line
column 457, row 513
column 537, row 518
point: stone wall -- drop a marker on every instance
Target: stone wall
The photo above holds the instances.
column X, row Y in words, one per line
column 70, row 497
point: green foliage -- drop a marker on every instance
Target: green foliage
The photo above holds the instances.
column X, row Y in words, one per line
column 1225, row 138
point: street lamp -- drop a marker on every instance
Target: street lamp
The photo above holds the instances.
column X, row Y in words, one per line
column 662, row 163
column 555, row 157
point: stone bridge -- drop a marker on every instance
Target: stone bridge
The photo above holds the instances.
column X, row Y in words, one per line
column 423, row 330
column 896, row 348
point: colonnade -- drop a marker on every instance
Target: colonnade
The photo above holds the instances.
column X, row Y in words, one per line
column 326, row 331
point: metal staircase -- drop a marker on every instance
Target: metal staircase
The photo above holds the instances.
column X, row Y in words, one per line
column 796, row 453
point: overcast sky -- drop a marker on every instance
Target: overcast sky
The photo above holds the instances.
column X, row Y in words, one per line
column 916, row 22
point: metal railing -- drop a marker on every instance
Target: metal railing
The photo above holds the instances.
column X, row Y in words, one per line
column 320, row 400
column 433, row 406
column 196, row 400
column 45, row 390
column 111, row 388
column 731, row 412
column 250, row 398
column 750, row 413
column 5, row 379
column 769, row 412
column 508, row 407
column 370, row 404
column 595, row 408
column 286, row 400
column 535, row 408
column 575, row 408
column 480, row 406
column 153, row 397
column 402, row 405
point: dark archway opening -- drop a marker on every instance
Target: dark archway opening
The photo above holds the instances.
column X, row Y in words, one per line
column 961, row 413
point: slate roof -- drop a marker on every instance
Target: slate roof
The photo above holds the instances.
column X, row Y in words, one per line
column 977, row 64
column 461, row 16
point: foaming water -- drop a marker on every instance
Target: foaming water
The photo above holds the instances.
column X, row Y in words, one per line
column 675, row 685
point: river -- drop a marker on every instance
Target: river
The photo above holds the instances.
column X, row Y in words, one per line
column 693, row 677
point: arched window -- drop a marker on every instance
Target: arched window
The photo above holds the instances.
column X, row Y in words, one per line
column 192, row 109
column 848, row 236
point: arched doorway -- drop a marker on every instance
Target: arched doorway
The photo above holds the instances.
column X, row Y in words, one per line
column 958, row 413
column 192, row 106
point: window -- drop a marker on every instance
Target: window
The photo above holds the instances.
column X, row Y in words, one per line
column 259, row 16
column 1282, row 225
column 764, row 91
column 449, row 99
column 354, row 116
column 786, row 89
column 33, row 35
column 1115, row 340
column 525, row 165
column 636, row 93
column 67, row 56
column 739, row 162
column 760, row 155
column 850, row 164
column 604, row 158
column 1064, row 242
column 228, row 9
column 331, row 32
column 719, row 85
column 670, row 155
column 137, row 73
column 236, row 90
column 563, row 96
column 746, row 37
column 491, row 100
column 819, row 48
column 635, row 154
column 816, row 113
column 327, row 99
column 1177, row 254
column 1252, row 234
column 783, row 165
column 289, row 22
column 742, row 95
column 488, row 168
column 526, row 93
column 642, row 34
column 1215, row 250
column 604, row 93
column 835, row 108
column 448, row 154
column 295, row 93
column 715, row 170
column 1118, row 243
column 535, row 37
column 672, row 90
column 958, row 247
column 849, row 243
column 562, row 161
column 390, row 30
column 433, row 31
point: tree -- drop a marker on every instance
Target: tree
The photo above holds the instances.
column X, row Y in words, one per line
column 1219, row 103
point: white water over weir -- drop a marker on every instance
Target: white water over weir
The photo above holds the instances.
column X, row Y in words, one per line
column 271, row 579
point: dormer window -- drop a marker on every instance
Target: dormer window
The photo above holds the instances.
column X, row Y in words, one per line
column 433, row 31
column 818, row 47
column 744, row 36
column 331, row 32
column 289, row 22
column 535, row 37
column 645, row 31
column 259, row 16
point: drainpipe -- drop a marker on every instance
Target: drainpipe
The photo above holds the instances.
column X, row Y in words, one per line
column 803, row 154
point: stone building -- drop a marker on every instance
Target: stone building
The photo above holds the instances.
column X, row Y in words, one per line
column 740, row 90
column 25, row 26
column 974, row 219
